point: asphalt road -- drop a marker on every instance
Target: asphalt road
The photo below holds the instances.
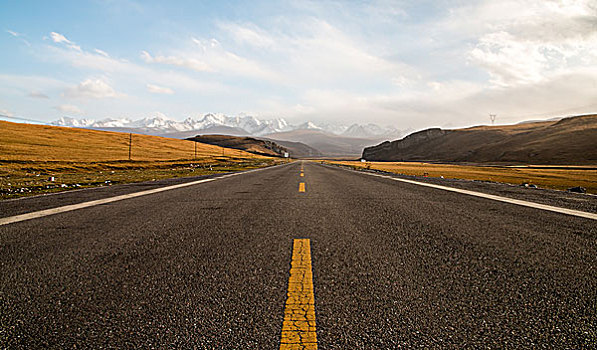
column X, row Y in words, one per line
column 207, row 267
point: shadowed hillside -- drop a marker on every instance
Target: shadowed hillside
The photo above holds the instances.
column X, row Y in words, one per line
column 248, row 144
column 567, row 141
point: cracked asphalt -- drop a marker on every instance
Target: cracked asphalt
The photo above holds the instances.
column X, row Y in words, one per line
column 207, row 267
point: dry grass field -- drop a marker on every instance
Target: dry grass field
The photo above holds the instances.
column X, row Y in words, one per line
column 38, row 158
column 559, row 178
column 27, row 142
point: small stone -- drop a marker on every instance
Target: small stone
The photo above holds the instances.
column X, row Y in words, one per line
column 577, row 189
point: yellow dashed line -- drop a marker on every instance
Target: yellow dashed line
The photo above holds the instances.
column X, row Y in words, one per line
column 298, row 329
column 302, row 174
column 302, row 187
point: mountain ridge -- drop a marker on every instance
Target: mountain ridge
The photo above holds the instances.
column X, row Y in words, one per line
column 242, row 125
column 571, row 140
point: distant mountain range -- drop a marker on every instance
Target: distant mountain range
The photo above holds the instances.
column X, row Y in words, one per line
column 161, row 125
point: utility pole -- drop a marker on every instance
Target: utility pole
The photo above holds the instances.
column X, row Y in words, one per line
column 492, row 118
column 130, row 144
column 195, row 149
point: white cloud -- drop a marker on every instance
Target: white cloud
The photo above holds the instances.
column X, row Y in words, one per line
column 461, row 103
column 210, row 56
column 248, row 34
column 15, row 34
column 530, row 41
column 131, row 72
column 25, row 83
column 59, row 38
column 103, row 53
column 92, row 88
column 37, row 94
column 510, row 61
column 159, row 89
column 186, row 62
column 4, row 112
column 71, row 109
column 19, row 36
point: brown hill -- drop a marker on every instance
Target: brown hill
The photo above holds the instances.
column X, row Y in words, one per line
column 248, row 144
column 296, row 149
column 567, row 141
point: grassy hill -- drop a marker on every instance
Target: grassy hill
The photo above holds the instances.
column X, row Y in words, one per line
column 27, row 142
column 248, row 144
column 569, row 141
column 38, row 158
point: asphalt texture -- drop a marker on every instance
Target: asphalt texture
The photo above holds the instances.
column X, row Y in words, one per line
column 207, row 266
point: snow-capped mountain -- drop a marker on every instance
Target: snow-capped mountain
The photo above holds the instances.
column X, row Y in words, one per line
column 160, row 124
column 369, row 130
column 77, row 123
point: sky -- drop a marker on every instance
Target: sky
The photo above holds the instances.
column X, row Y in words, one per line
column 403, row 63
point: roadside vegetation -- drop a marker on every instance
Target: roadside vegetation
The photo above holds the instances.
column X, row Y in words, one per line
column 38, row 159
column 560, row 177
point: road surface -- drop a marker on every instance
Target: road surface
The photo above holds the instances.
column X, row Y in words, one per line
column 387, row 264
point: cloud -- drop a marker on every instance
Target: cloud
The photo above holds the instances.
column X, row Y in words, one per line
column 92, row 88
column 529, row 42
column 71, row 109
column 159, row 89
column 209, row 56
column 185, row 62
column 19, row 36
column 15, row 34
column 59, row 38
column 6, row 113
column 132, row 73
column 462, row 103
column 248, row 34
column 313, row 51
column 20, row 85
column 103, row 53
column 37, row 94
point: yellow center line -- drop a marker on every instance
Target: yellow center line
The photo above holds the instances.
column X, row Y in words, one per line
column 302, row 187
column 298, row 329
column 302, row 174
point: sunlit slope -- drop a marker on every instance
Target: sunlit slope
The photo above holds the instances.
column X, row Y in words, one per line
column 27, row 142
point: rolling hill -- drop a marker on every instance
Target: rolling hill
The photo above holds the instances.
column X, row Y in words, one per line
column 263, row 146
column 247, row 144
column 570, row 140
column 28, row 142
column 296, row 149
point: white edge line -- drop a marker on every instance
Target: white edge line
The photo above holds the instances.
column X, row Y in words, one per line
column 560, row 210
column 52, row 211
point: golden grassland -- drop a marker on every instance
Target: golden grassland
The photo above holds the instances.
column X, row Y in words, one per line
column 38, row 158
column 26, row 142
column 560, row 178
